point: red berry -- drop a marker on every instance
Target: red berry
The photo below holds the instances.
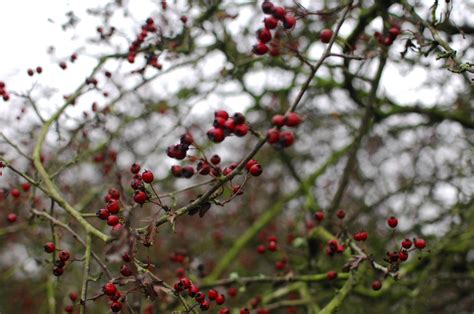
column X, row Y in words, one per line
column 403, row 255
column 30, row 72
column 392, row 222
column 212, row 294
column 260, row 49
column 272, row 246
column 64, row 255
column 140, row 197
column 326, row 35
column 273, row 136
column 287, row 138
column 361, row 236
column 11, row 217
column 261, row 249
column 221, row 114
column 63, row 65
column 185, row 282
column 73, row 296
column 241, row 130
column 147, row 176
column 229, row 125
column 264, row 35
column 224, row 311
column 232, row 292
column 319, row 216
column 250, row 163
column 376, row 285
column 341, row 214
column 113, row 206
column 220, row 299
column 39, row 70
column 278, row 120
column 125, row 271
column 49, row 247
column 26, row 186
column 267, row 7
column 186, row 139
column 193, row 291
column 109, row 289
column 279, row 12
column 126, row 257
column 289, row 21
column 280, row 265
column 200, row 297
column 420, row 244
column 102, row 213
column 15, row 192
column 293, row 119
column 406, row 244
column 177, row 171
column 215, row 159
column 68, row 309
column 270, row 22
column 216, row 135
column 331, row 275
column 112, row 220
column 394, row 31
column 116, row 306
column 58, row 271
column 135, row 168
column 187, row 172
column 204, row 306
column 256, row 170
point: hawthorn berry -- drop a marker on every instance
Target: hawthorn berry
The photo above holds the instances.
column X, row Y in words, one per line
column 272, row 246
column 287, row 138
column 293, row 119
column 216, row 135
column 49, row 247
column 176, row 171
column 267, row 7
column 102, row 213
column 126, row 257
column 193, row 290
column 73, row 296
column 220, row 299
column 403, row 255
column 278, row 120
column 140, row 197
column 241, row 130
column 186, row 139
column 341, row 214
column 331, row 275
column 250, row 163
column 326, row 35
column 289, row 21
column 113, row 206
column 270, row 22
column 260, row 49
column 273, row 136
column 109, row 289
column 113, row 220
column 224, row 311
column 63, row 255
column 69, row 309
column 215, row 159
column 221, row 114
column 30, row 72
column 204, row 306
column 187, row 172
column 62, row 65
column 185, row 282
column 15, row 192
column 261, row 249
column 264, row 35
column 420, row 244
column 392, row 222
column 135, row 168
column 125, row 271
column 212, row 294
column 256, row 170
column 394, row 31
column 147, row 176
column 406, row 244
column 232, row 292
column 58, row 271
column 319, row 216
column 116, row 306
column 200, row 297
column 11, row 217
column 376, row 285
column 361, row 236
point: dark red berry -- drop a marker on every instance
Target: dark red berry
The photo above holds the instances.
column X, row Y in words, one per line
column 177, row 171
column 112, row 220
column 376, row 285
column 116, row 306
column 64, row 255
column 250, row 163
column 187, row 172
column 58, row 271
column 204, row 305
column 273, row 136
column 270, row 22
column 49, row 247
column 147, row 176
column 215, row 159
column 220, row 299
column 267, row 7
column 279, row 12
column 102, row 213
column 326, row 35
column 272, row 246
column 261, row 249
column 361, row 236
column 289, row 21
column 406, row 244
column 331, row 275
column 260, row 49
column 241, row 130
column 319, row 216
column 140, row 197
column 135, row 168
column 113, row 206
column 73, row 296
column 341, row 214
column 221, row 114
column 264, row 35
column 125, row 271
column 392, row 222
column 216, row 135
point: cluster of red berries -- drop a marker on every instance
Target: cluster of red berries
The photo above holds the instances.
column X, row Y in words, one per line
column 272, row 245
column 31, row 72
column 200, row 297
column 138, row 183
column 281, row 139
column 110, row 290
column 178, row 257
column 224, row 125
column 149, row 26
column 388, row 39
column 275, row 14
column 125, row 269
column 60, row 263
column 3, row 91
column 333, row 247
column 70, row 307
column 179, row 152
column 111, row 210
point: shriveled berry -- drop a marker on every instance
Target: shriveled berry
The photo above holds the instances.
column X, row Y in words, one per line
column 64, row 255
